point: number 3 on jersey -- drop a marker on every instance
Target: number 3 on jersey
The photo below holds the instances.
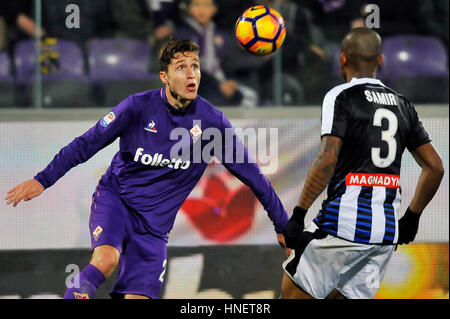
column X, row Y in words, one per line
column 388, row 136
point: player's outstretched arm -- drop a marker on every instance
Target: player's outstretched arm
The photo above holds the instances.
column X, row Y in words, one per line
column 319, row 175
column 248, row 172
column 429, row 180
column 26, row 191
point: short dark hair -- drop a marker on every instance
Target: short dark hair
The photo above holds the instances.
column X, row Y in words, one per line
column 362, row 47
column 171, row 47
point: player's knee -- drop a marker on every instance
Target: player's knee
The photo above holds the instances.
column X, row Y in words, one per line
column 105, row 259
column 106, row 263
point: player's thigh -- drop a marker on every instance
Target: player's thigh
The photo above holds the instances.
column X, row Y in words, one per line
column 364, row 279
column 143, row 263
column 310, row 266
column 107, row 222
column 336, row 294
column 289, row 290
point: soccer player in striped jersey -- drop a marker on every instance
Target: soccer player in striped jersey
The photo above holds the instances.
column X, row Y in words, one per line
column 136, row 201
column 365, row 129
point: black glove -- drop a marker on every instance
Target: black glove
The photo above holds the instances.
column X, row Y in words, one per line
column 407, row 227
column 294, row 227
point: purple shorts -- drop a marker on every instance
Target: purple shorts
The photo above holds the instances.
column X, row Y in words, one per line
column 142, row 255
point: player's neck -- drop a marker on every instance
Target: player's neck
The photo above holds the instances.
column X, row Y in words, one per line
column 177, row 102
column 350, row 74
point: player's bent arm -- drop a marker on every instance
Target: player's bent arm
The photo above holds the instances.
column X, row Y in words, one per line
column 321, row 170
column 430, row 178
column 427, row 185
column 319, row 175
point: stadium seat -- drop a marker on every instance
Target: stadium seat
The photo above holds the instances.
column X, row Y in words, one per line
column 6, row 81
column 333, row 49
column 119, row 67
column 68, row 87
column 417, row 67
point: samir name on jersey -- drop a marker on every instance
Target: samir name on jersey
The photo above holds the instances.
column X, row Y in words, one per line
column 380, row 97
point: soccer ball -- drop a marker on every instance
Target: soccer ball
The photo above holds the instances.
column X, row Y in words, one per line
column 260, row 30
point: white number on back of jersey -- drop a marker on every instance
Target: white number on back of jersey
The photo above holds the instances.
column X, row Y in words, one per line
column 388, row 136
column 161, row 277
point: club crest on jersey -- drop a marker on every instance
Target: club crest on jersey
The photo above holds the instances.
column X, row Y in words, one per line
column 151, row 127
column 107, row 119
column 78, row 295
column 196, row 132
column 97, row 232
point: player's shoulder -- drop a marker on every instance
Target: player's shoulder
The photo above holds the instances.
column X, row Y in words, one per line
column 405, row 101
column 209, row 109
column 335, row 92
column 145, row 99
column 145, row 95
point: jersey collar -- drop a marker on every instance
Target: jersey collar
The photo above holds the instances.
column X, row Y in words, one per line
column 366, row 80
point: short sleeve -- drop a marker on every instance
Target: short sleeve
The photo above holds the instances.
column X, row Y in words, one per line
column 417, row 136
column 335, row 115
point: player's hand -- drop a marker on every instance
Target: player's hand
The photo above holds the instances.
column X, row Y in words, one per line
column 407, row 227
column 26, row 191
column 294, row 227
column 282, row 243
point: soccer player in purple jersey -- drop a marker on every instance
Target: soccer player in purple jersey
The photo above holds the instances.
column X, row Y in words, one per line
column 136, row 201
column 366, row 127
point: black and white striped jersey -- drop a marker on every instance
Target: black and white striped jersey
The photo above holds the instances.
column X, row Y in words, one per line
column 376, row 125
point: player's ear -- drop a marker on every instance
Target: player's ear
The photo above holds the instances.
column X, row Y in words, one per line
column 343, row 65
column 163, row 77
column 343, row 58
column 381, row 60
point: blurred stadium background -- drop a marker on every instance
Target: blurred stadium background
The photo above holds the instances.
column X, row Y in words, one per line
column 55, row 82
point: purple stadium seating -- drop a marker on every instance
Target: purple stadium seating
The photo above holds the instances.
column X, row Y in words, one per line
column 70, row 60
column 6, row 81
column 413, row 55
column 119, row 59
column 119, row 67
column 417, row 66
column 5, row 67
column 69, row 87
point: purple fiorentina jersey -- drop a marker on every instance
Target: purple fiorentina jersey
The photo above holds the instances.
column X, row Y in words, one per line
column 143, row 172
